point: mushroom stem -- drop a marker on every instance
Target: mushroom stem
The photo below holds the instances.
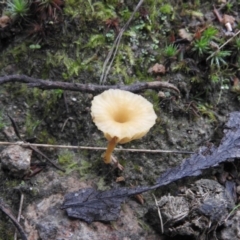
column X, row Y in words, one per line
column 111, row 145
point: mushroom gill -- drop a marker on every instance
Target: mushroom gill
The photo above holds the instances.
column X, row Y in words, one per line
column 122, row 116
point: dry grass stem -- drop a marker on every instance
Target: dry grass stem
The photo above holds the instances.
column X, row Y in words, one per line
column 159, row 214
column 19, row 213
column 229, row 40
column 111, row 55
column 24, row 144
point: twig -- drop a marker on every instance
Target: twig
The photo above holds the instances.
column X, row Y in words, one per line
column 43, row 155
column 15, row 127
column 7, row 211
column 19, row 213
column 87, row 88
column 159, row 214
column 219, row 17
column 230, row 39
column 23, row 144
column 114, row 49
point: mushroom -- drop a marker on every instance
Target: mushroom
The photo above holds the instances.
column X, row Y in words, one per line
column 122, row 116
column 228, row 21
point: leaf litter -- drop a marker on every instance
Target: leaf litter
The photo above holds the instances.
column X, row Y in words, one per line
column 92, row 205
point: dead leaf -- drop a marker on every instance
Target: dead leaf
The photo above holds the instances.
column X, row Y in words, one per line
column 92, row 205
column 161, row 95
column 236, row 85
column 185, row 35
column 120, row 179
column 4, row 21
column 157, row 68
column 139, row 198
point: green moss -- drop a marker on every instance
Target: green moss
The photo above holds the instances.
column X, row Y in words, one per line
column 166, row 9
column 210, row 32
column 170, row 51
column 104, row 11
column 2, row 122
column 66, row 157
column 45, row 137
column 84, row 169
column 17, row 8
column 78, row 9
column 201, row 46
column 153, row 98
column 12, row 183
column 6, row 230
column 207, row 111
column 31, row 123
column 19, row 51
column 101, row 185
column 16, row 90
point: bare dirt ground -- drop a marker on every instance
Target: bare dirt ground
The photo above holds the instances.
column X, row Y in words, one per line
column 71, row 46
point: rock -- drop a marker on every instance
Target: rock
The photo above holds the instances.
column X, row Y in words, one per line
column 46, row 221
column 205, row 205
column 16, row 160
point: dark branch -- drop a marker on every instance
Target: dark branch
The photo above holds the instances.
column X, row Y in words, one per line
column 88, row 88
column 8, row 212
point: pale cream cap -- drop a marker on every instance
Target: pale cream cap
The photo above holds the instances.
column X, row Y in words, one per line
column 122, row 114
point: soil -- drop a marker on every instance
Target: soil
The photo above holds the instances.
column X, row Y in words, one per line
column 74, row 52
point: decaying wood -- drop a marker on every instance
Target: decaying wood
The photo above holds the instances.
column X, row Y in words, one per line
column 87, row 88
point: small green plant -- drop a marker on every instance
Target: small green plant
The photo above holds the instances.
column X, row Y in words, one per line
column 237, row 44
column 201, row 46
column 45, row 137
column 210, row 32
column 229, row 7
column 207, row 110
column 96, row 40
column 17, row 8
column 217, row 58
column 65, row 157
column 104, row 11
column 170, row 50
column 31, row 124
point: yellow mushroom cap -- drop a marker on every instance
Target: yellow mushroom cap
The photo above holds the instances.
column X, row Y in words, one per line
column 122, row 114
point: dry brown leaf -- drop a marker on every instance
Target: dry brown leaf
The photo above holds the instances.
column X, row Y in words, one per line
column 120, row 179
column 157, row 68
column 161, row 94
column 4, row 21
column 139, row 198
column 185, row 35
column 236, row 86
